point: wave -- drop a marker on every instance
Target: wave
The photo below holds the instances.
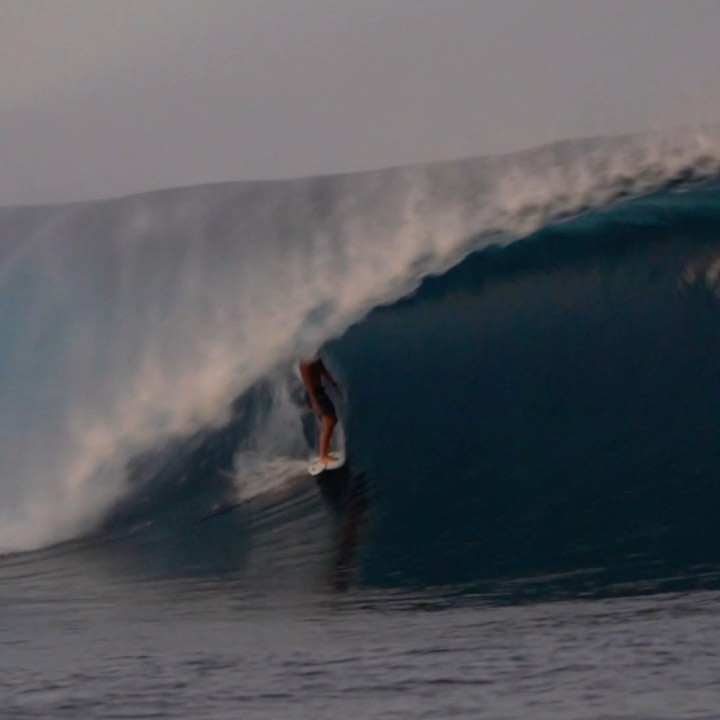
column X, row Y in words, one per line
column 130, row 326
column 542, row 416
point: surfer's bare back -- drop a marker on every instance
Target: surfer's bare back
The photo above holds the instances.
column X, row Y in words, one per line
column 313, row 372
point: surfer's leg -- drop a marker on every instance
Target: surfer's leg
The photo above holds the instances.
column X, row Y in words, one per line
column 328, row 425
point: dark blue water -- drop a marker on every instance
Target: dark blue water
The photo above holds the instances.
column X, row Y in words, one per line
column 554, row 403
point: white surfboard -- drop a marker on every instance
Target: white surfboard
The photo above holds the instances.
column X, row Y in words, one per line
column 316, row 467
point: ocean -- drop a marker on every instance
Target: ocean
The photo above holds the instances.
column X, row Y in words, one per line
column 526, row 526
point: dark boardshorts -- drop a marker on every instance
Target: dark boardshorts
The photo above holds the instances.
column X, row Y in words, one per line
column 325, row 403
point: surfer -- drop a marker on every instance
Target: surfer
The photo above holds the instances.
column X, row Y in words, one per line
column 313, row 372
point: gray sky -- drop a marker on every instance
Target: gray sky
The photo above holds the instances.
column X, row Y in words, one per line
column 107, row 97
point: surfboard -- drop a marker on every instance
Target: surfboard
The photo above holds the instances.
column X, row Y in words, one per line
column 316, row 467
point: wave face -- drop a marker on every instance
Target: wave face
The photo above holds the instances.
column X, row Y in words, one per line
column 550, row 406
column 522, row 387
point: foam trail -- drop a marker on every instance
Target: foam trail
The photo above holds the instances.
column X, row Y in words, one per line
column 129, row 321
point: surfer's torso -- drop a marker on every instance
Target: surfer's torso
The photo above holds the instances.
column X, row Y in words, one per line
column 311, row 372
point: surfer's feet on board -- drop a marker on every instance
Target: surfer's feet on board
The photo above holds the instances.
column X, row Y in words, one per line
column 327, row 459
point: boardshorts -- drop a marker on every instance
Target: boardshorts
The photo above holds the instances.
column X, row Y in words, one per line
column 323, row 400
